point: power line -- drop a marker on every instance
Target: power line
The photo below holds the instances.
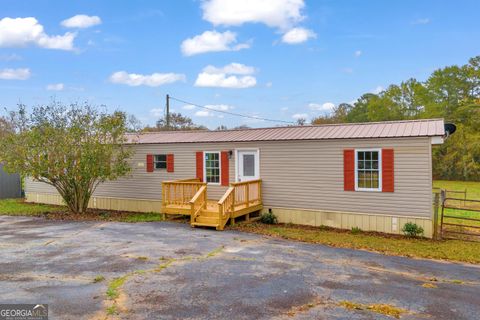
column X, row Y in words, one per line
column 231, row 113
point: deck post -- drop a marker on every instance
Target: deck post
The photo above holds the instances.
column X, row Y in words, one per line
column 232, row 221
column 220, row 216
column 205, row 200
column 164, row 203
column 247, row 194
column 260, row 191
column 192, row 213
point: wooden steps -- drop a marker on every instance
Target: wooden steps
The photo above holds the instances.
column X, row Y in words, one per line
column 208, row 218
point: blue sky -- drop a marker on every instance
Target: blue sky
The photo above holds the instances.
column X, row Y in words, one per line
column 278, row 59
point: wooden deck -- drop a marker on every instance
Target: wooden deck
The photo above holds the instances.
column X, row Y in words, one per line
column 189, row 197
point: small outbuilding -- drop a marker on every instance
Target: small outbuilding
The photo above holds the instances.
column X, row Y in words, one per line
column 10, row 184
column 374, row 176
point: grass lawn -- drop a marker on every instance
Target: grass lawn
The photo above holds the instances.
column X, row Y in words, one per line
column 452, row 250
column 473, row 187
column 18, row 207
column 473, row 193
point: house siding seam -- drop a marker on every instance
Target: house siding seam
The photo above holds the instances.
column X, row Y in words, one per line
column 300, row 174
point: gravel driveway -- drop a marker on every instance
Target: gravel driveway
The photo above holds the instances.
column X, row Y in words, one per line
column 168, row 270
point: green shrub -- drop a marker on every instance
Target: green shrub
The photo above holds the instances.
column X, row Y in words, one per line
column 356, row 230
column 268, row 218
column 413, row 230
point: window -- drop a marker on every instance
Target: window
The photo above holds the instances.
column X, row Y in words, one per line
column 160, row 161
column 248, row 165
column 212, row 167
column 368, row 164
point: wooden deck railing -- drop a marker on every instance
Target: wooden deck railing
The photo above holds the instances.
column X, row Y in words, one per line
column 198, row 202
column 226, row 205
column 180, row 192
column 189, row 196
column 247, row 192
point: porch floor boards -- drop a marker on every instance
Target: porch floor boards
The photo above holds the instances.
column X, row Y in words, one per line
column 212, row 206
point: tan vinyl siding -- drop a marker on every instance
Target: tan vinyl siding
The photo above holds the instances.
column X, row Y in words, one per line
column 296, row 174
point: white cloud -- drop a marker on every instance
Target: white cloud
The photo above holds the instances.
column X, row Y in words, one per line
column 378, row 89
column 22, row 32
column 226, row 77
column 221, row 107
column 298, row 35
column 232, row 68
column 327, row 106
column 188, row 107
column 209, row 113
column 358, row 53
column 269, row 84
column 422, row 21
column 203, row 113
column 156, row 112
column 15, row 74
column 55, row 87
column 281, row 14
column 152, row 80
column 300, row 116
column 347, row 70
column 81, row 21
column 212, row 41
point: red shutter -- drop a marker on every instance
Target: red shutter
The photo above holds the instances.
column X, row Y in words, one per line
column 387, row 170
column 224, row 169
column 200, row 165
column 349, row 170
column 149, row 162
column 170, row 165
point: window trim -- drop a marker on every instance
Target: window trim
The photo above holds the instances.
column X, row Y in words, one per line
column 219, row 168
column 380, row 164
column 154, row 162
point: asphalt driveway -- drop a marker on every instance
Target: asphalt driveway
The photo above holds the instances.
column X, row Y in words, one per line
column 170, row 271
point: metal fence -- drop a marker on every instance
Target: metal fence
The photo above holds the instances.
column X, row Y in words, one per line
column 459, row 219
column 10, row 185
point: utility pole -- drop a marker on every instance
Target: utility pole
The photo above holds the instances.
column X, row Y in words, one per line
column 167, row 120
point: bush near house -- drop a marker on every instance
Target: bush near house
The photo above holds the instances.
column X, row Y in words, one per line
column 268, row 218
column 412, row 230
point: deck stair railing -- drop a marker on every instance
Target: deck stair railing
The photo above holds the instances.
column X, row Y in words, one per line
column 198, row 203
column 226, row 205
column 247, row 192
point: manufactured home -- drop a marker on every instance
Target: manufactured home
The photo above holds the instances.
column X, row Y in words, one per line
column 375, row 176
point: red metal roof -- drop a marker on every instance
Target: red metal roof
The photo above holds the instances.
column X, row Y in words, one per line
column 387, row 129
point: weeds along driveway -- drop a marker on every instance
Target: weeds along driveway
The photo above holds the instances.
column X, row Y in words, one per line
column 171, row 271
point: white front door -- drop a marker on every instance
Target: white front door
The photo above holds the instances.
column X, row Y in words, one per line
column 248, row 165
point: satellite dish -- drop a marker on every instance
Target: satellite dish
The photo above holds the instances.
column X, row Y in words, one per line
column 450, row 128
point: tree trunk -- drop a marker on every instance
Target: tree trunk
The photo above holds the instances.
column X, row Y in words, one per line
column 76, row 198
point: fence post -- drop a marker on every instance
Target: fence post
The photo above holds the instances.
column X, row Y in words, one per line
column 436, row 207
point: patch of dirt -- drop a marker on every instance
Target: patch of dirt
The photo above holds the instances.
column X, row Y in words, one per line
column 381, row 308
